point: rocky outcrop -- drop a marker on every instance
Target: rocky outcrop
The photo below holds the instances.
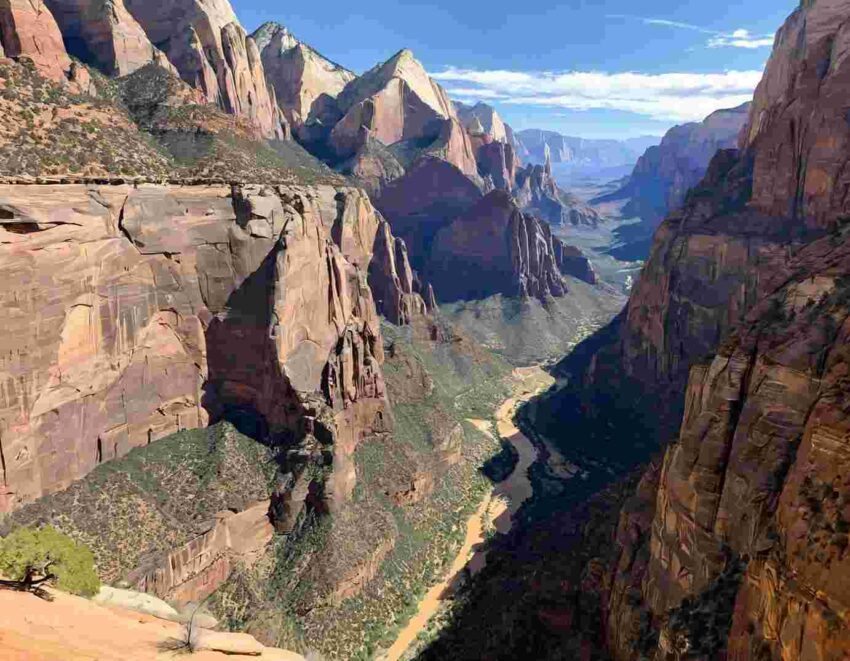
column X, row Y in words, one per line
column 495, row 248
column 483, row 120
column 572, row 261
column 497, row 163
column 104, row 35
column 427, row 198
column 397, row 103
column 191, row 573
column 302, row 78
column 142, row 311
column 537, row 193
column 746, row 297
column 209, row 48
column 29, row 30
column 665, row 173
column 454, row 146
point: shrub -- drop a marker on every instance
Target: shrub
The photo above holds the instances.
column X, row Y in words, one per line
column 46, row 551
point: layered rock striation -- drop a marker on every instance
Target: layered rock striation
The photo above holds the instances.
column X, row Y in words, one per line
column 741, row 316
column 140, row 311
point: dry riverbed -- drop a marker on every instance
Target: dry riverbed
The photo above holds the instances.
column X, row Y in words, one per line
column 497, row 509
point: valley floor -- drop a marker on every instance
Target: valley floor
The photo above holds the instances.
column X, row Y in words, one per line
column 496, row 511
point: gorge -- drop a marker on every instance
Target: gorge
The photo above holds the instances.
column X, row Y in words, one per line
column 339, row 362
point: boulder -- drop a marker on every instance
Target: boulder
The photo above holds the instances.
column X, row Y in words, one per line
column 136, row 601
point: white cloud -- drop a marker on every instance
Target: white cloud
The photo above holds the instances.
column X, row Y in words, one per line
column 739, row 38
column 667, row 96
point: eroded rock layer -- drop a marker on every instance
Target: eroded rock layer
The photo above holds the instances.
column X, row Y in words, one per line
column 133, row 313
column 741, row 549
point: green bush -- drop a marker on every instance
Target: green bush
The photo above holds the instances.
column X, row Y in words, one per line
column 47, row 549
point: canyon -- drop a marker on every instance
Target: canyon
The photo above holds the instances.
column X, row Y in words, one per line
column 260, row 308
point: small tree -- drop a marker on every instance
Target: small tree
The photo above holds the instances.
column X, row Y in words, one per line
column 31, row 557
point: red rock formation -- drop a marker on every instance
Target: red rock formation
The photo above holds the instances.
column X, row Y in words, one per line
column 497, row 161
column 396, row 102
column 209, row 48
column 428, row 197
column 142, row 311
column 104, row 34
column 495, row 248
column 300, row 76
column 482, row 119
column 537, row 193
column 28, row 29
column 757, row 269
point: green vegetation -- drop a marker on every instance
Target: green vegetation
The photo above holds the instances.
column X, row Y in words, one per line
column 527, row 332
column 157, row 497
column 45, row 554
column 345, row 584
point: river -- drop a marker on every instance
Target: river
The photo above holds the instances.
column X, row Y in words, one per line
column 499, row 506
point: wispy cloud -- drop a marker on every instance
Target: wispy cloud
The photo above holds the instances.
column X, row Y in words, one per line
column 667, row 96
column 739, row 38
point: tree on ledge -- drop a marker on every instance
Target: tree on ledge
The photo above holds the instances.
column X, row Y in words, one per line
column 31, row 558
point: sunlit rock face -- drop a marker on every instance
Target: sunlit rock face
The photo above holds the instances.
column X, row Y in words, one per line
column 204, row 41
column 137, row 312
column 302, row 78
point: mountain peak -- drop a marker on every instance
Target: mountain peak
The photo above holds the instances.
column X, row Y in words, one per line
column 402, row 66
column 272, row 32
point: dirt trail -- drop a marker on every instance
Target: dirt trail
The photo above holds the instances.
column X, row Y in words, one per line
column 499, row 506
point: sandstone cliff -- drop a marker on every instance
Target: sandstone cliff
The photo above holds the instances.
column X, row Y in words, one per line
column 211, row 51
column 201, row 40
column 303, row 80
column 537, row 193
column 397, row 102
column 104, row 35
column 664, row 174
column 495, row 248
column 745, row 553
column 150, row 288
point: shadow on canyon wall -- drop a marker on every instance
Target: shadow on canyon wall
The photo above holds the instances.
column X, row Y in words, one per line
column 542, row 594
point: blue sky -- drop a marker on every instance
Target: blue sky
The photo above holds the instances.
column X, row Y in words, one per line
column 594, row 68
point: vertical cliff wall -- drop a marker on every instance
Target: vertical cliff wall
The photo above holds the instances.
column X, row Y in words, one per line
column 139, row 311
column 741, row 314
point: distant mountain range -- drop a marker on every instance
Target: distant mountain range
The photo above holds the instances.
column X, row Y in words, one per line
column 531, row 146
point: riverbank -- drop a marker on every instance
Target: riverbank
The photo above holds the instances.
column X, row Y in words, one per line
column 498, row 508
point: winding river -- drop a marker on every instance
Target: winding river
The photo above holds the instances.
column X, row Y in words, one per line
column 499, row 506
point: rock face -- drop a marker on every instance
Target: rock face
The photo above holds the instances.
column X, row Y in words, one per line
column 29, row 30
column 495, row 248
column 745, row 555
column 665, row 173
column 537, row 193
column 137, row 312
column 397, row 102
column 302, row 78
column 482, row 119
column 427, row 198
column 209, row 48
column 105, row 35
